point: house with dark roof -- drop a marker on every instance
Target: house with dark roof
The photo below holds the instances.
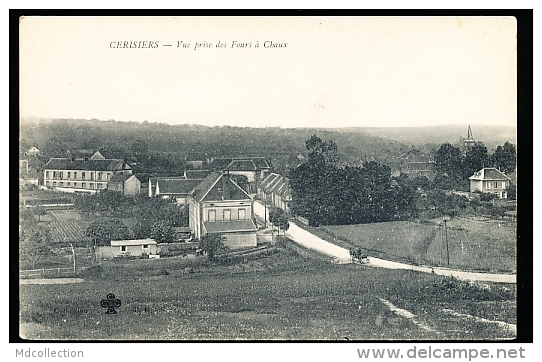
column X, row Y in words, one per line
column 173, row 187
column 196, row 174
column 253, row 168
column 219, row 206
column 82, row 174
column 490, row 180
column 275, row 190
column 127, row 184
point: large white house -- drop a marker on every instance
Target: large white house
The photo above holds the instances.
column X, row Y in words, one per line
column 82, row 174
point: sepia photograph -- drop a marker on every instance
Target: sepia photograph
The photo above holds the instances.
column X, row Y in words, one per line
column 268, row 178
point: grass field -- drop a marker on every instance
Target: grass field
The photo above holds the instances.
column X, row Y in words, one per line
column 281, row 296
column 473, row 245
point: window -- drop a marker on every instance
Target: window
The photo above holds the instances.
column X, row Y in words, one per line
column 227, row 215
column 69, row 184
column 61, row 175
column 92, row 175
column 48, row 183
column 108, row 176
column 123, row 248
column 487, row 185
column 496, row 184
column 69, row 175
column 54, row 174
column 100, row 186
column 54, row 183
column 212, row 215
column 75, row 175
column 503, row 184
column 46, row 174
column 61, row 183
column 91, row 185
column 83, row 185
column 145, row 246
column 241, row 214
column 83, row 175
column 99, row 176
column 75, row 184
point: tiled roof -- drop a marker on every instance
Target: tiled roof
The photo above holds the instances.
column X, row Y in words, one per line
column 212, row 188
column 275, row 183
column 196, row 174
column 229, row 226
column 242, row 165
column 176, row 186
column 77, row 164
column 261, row 162
column 489, row 174
column 120, row 177
column 220, row 163
column 133, row 242
column 205, row 185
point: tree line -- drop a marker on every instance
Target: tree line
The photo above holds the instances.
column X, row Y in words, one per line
column 455, row 167
column 156, row 217
column 328, row 194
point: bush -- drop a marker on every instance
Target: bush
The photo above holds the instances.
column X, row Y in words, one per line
column 451, row 288
column 486, row 196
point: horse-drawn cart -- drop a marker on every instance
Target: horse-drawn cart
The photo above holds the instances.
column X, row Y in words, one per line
column 358, row 255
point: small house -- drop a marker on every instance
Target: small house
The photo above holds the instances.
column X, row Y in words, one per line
column 174, row 187
column 126, row 184
column 32, row 151
column 490, row 180
column 127, row 248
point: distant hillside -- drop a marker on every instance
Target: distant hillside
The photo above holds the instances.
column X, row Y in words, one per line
column 116, row 139
column 491, row 136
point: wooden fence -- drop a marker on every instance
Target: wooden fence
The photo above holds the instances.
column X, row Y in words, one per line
column 45, row 273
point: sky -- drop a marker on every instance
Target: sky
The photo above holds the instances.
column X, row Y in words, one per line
column 332, row 71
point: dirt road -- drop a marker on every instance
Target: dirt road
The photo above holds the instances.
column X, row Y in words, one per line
column 310, row 241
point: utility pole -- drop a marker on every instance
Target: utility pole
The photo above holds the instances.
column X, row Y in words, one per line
column 73, row 252
column 444, row 219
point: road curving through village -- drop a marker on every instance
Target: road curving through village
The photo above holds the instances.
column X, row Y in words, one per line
column 342, row 255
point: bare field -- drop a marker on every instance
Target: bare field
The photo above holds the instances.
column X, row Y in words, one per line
column 473, row 245
column 279, row 297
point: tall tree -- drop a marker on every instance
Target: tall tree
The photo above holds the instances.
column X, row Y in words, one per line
column 103, row 231
column 505, row 158
column 448, row 160
column 321, row 153
column 475, row 159
column 33, row 245
column 162, row 231
column 212, row 244
column 448, row 164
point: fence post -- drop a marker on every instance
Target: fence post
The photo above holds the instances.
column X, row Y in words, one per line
column 43, row 272
column 58, row 271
